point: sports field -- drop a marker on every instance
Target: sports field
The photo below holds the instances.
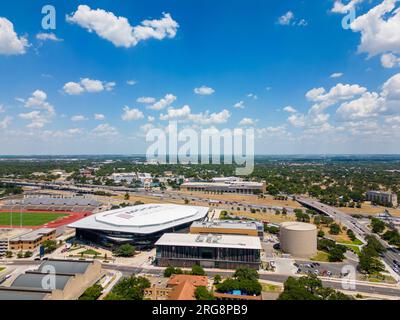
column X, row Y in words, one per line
column 29, row 219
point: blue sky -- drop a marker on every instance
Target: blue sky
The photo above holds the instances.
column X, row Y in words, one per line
column 64, row 90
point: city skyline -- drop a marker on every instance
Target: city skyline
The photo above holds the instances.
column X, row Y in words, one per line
column 110, row 72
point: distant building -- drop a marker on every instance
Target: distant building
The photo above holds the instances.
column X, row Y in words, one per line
column 123, row 177
column 241, row 187
column 32, row 240
column 244, row 228
column 380, row 197
column 71, row 279
column 209, row 251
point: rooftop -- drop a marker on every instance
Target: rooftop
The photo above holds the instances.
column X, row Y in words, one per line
column 225, row 224
column 210, row 241
column 144, row 219
column 33, row 235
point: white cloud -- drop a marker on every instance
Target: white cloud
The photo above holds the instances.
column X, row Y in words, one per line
column 99, row 117
column 289, row 109
column 336, row 75
column 340, row 7
column 131, row 82
column 150, row 118
column 88, row 85
column 289, row 19
column 47, row 36
column 239, row 105
column 246, row 122
column 146, row 100
column 132, row 114
column 379, row 29
column 286, row 18
column 297, row 120
column 73, row 88
column 105, row 130
column 391, row 89
column 252, row 96
column 2, row 109
column 389, row 60
column 5, row 122
column 205, row 118
column 173, row 114
column 168, row 100
column 146, row 127
column 10, row 42
column 204, row 91
column 78, row 118
column 118, row 30
column 368, row 105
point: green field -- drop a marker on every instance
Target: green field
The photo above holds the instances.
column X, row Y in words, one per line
column 29, row 219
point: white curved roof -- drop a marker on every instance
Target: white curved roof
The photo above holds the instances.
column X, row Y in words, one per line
column 147, row 218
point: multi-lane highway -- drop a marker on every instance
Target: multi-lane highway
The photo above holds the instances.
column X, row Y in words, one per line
column 359, row 229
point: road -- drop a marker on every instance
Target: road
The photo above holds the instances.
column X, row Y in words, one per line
column 359, row 229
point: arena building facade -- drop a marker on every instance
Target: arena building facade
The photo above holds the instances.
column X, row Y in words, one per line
column 139, row 225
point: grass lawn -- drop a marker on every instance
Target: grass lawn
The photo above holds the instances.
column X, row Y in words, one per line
column 356, row 242
column 321, row 257
column 29, row 219
column 90, row 252
column 271, row 288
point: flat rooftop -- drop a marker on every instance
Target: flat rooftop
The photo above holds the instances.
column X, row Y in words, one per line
column 209, row 241
column 236, row 184
column 6, row 234
column 218, row 224
column 33, row 235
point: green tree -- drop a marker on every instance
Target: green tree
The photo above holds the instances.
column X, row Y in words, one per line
column 126, row 250
column 378, row 226
column 217, row 279
column 92, row 293
column 169, row 271
column 129, row 288
column 334, row 229
column 202, row 293
column 246, row 274
column 198, row 270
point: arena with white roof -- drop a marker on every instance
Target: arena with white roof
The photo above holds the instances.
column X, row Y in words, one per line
column 140, row 225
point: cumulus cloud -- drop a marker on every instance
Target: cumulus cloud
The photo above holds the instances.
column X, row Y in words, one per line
column 146, row 100
column 289, row 19
column 47, row 37
column 10, row 42
column 286, row 19
column 389, row 60
column 174, row 114
column 4, row 123
column 132, row 114
column 204, row 91
column 88, row 85
column 78, row 118
column 105, row 130
column 118, row 30
column 239, row 105
column 99, row 117
column 207, row 118
column 131, row 82
column 336, row 75
column 379, row 29
column 246, row 122
column 165, row 102
column 340, row 7
column 289, row 109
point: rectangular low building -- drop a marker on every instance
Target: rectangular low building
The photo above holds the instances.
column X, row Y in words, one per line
column 33, row 239
column 54, row 280
column 209, row 251
column 243, row 228
column 240, row 187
